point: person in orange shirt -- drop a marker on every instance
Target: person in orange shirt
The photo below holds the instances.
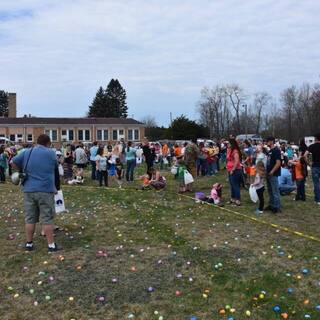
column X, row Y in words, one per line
column 164, row 156
column 300, row 173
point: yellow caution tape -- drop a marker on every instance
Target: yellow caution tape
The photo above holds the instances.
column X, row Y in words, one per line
column 273, row 225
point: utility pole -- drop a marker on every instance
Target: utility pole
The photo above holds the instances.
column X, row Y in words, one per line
column 170, row 118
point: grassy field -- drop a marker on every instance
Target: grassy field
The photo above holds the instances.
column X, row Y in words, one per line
column 132, row 254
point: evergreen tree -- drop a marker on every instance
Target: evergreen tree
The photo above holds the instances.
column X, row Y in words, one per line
column 98, row 109
column 116, row 99
column 4, row 104
column 110, row 103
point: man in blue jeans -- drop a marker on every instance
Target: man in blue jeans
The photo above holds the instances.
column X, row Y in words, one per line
column 273, row 172
column 314, row 149
column 93, row 154
column 286, row 184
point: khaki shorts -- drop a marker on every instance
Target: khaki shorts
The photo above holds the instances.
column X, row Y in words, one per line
column 39, row 204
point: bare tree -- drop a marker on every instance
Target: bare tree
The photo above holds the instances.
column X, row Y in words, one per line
column 236, row 98
column 214, row 110
column 289, row 98
column 149, row 121
column 261, row 101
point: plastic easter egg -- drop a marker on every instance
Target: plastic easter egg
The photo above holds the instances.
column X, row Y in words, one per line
column 248, row 313
column 47, row 298
column 284, row 315
column 222, row 311
column 305, row 271
column 276, row 309
column 150, row 289
column 318, row 307
column 290, row 290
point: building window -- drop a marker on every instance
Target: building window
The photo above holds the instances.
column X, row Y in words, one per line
column 80, row 135
column 66, row 135
column 29, row 138
column 99, row 135
column 84, row 135
column 115, row 135
column 102, row 135
column 71, row 136
column 53, row 134
column 16, row 137
column 121, row 134
column 130, row 134
column 105, row 135
column 87, row 135
column 2, row 135
column 136, row 134
column 19, row 137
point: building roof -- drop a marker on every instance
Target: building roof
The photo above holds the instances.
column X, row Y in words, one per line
column 65, row 121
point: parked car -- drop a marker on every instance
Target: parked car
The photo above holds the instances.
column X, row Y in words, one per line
column 6, row 141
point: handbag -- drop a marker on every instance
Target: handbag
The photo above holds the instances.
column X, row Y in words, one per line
column 59, row 202
column 174, row 170
column 188, row 178
column 253, row 194
column 61, row 171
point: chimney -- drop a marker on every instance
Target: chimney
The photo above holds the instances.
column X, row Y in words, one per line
column 12, row 101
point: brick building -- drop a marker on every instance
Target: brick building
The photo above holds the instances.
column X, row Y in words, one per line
column 73, row 130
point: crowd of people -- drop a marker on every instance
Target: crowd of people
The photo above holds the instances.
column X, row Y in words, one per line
column 280, row 168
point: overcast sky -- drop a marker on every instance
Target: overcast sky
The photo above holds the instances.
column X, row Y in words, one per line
column 55, row 54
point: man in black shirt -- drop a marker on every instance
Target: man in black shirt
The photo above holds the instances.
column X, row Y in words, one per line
column 314, row 149
column 273, row 172
column 149, row 156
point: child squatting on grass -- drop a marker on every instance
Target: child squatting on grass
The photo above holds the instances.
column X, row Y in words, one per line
column 157, row 181
column 259, row 184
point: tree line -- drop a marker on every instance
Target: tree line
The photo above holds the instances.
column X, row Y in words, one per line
column 227, row 109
